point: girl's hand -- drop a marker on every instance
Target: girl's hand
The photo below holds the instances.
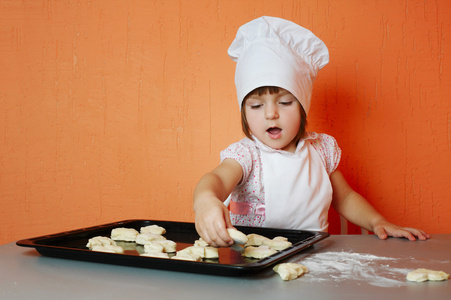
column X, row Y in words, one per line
column 357, row 210
column 383, row 229
column 212, row 220
column 212, row 217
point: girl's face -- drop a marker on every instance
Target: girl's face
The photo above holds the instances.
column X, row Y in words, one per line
column 274, row 119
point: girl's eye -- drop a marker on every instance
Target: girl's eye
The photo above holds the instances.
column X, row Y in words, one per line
column 285, row 103
column 255, row 106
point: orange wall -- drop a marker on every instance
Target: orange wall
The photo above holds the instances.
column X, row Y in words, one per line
column 112, row 110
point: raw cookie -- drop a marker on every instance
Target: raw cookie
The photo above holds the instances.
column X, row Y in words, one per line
column 108, row 248
column 278, row 243
column 100, row 241
column 203, row 252
column 200, row 242
column 168, row 246
column 237, row 236
column 258, row 252
column 153, row 246
column 186, row 256
column 421, row 275
column 211, row 252
column 290, row 271
column 143, row 238
column 124, row 234
column 194, row 250
column 254, row 239
column 153, row 229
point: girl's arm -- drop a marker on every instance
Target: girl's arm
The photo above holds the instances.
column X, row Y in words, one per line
column 357, row 210
column 212, row 217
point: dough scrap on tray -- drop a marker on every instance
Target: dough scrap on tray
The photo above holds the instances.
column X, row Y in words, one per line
column 200, row 242
column 420, row 275
column 108, row 249
column 278, row 243
column 153, row 247
column 290, row 271
column 143, row 238
column 237, row 236
column 103, row 244
column 180, row 255
column 168, row 246
column 258, row 252
column 203, row 252
column 124, row 234
column 211, row 252
column 194, row 250
column 254, row 239
column 100, row 241
column 155, row 229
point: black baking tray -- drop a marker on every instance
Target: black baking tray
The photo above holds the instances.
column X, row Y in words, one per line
column 72, row 245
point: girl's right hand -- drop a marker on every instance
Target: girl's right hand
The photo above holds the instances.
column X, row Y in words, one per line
column 212, row 220
column 212, row 216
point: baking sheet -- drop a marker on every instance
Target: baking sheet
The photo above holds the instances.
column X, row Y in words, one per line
column 72, row 245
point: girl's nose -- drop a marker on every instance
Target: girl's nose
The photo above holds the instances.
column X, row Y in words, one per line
column 271, row 112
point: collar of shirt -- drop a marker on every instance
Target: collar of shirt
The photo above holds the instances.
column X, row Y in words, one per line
column 263, row 147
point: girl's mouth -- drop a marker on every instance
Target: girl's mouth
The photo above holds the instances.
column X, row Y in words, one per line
column 274, row 132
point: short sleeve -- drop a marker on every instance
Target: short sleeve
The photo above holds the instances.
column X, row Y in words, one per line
column 243, row 154
column 327, row 148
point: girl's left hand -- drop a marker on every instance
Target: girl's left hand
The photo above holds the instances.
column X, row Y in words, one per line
column 383, row 229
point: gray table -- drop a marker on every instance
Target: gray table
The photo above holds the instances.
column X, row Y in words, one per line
column 341, row 267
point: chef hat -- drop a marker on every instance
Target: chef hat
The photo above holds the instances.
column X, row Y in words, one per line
column 271, row 51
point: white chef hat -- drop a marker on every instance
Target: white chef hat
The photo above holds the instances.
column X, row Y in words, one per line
column 271, row 51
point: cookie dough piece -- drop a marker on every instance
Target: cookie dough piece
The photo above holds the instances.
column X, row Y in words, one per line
column 143, row 238
column 200, row 242
column 186, row 256
column 100, row 241
column 237, row 236
column 421, row 275
column 194, row 250
column 108, row 249
column 124, row 234
column 290, row 271
column 153, row 246
column 203, row 252
column 168, row 246
column 155, row 229
column 254, row 239
column 211, row 253
column 258, row 252
column 156, row 254
column 278, row 243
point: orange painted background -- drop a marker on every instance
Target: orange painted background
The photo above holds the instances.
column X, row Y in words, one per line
column 111, row 110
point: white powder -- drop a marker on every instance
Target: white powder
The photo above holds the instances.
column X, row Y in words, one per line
column 356, row 267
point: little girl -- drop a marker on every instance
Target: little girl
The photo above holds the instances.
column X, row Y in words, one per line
column 280, row 176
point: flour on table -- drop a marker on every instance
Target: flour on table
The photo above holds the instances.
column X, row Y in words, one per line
column 355, row 267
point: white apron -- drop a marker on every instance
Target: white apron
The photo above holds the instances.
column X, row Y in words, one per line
column 298, row 192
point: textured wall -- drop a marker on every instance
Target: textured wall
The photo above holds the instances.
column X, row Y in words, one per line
column 112, row 110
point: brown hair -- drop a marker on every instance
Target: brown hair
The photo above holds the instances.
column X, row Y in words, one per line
column 271, row 90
